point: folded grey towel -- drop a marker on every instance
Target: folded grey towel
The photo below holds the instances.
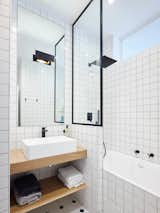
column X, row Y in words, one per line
column 23, row 200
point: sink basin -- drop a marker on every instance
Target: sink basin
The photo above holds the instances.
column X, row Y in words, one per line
column 44, row 147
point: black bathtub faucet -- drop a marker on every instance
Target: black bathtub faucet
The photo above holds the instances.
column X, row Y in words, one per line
column 150, row 155
column 137, row 152
column 44, row 130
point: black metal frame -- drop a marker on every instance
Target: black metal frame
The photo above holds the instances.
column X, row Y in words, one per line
column 101, row 68
column 55, row 81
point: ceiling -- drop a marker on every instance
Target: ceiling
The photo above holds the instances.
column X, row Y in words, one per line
column 121, row 18
column 67, row 10
column 125, row 17
column 31, row 24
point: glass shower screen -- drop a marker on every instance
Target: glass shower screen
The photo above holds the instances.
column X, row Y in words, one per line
column 87, row 71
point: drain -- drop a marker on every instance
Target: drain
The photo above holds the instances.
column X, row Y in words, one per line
column 81, row 210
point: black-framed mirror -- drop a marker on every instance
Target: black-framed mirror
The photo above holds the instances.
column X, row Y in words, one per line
column 36, row 68
column 59, row 81
column 87, row 66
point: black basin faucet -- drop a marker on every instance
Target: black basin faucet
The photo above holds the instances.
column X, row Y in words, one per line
column 44, row 130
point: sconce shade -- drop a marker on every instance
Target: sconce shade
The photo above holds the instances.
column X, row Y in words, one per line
column 43, row 57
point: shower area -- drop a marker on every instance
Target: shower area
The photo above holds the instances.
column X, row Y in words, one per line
column 116, row 87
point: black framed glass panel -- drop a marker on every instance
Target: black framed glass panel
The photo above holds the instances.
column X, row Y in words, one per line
column 35, row 67
column 87, row 69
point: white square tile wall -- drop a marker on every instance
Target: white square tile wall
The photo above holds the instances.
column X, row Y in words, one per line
column 120, row 196
column 91, row 138
column 86, row 96
column 131, row 104
column 4, row 104
column 19, row 133
column 131, row 121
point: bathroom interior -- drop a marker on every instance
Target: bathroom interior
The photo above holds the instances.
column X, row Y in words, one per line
column 79, row 106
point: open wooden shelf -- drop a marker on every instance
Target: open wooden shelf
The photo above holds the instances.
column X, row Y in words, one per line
column 18, row 162
column 52, row 190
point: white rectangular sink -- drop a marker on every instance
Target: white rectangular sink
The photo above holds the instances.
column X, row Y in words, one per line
column 44, row 147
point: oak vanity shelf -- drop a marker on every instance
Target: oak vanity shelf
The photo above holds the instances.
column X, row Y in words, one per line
column 52, row 190
column 19, row 164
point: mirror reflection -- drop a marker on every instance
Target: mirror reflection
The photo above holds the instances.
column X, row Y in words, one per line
column 59, row 81
column 36, row 70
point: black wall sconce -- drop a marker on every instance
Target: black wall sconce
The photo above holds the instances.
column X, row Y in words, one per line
column 43, row 58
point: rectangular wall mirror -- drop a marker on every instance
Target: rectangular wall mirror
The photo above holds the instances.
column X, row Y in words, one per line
column 87, row 69
column 40, row 81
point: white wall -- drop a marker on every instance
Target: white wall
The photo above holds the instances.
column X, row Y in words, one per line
column 131, row 104
column 4, row 104
column 90, row 137
column 131, row 121
column 36, row 82
column 121, row 196
column 19, row 133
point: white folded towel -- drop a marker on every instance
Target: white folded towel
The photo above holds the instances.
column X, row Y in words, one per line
column 70, row 184
column 70, row 174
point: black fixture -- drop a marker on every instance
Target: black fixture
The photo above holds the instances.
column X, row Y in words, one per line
column 42, row 57
column 136, row 152
column 105, row 62
column 67, row 127
column 150, row 155
column 89, row 116
column 101, row 68
column 44, row 130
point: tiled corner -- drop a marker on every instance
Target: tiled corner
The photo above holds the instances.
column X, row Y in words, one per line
column 4, row 104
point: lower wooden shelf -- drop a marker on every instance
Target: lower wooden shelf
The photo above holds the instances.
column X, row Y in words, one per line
column 52, row 190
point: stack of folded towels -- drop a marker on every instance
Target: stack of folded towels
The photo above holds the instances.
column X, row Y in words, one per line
column 27, row 189
column 70, row 176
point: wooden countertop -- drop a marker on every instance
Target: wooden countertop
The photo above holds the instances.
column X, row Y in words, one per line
column 19, row 163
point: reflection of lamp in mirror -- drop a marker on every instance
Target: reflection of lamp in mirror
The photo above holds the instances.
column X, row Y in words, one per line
column 43, row 58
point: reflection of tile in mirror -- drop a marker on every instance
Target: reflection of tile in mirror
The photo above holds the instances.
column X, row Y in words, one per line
column 36, row 80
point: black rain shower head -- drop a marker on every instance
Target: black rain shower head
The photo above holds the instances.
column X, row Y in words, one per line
column 106, row 62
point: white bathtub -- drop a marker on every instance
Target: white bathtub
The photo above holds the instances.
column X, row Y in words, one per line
column 140, row 173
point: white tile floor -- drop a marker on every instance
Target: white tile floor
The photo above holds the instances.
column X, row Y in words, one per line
column 64, row 205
